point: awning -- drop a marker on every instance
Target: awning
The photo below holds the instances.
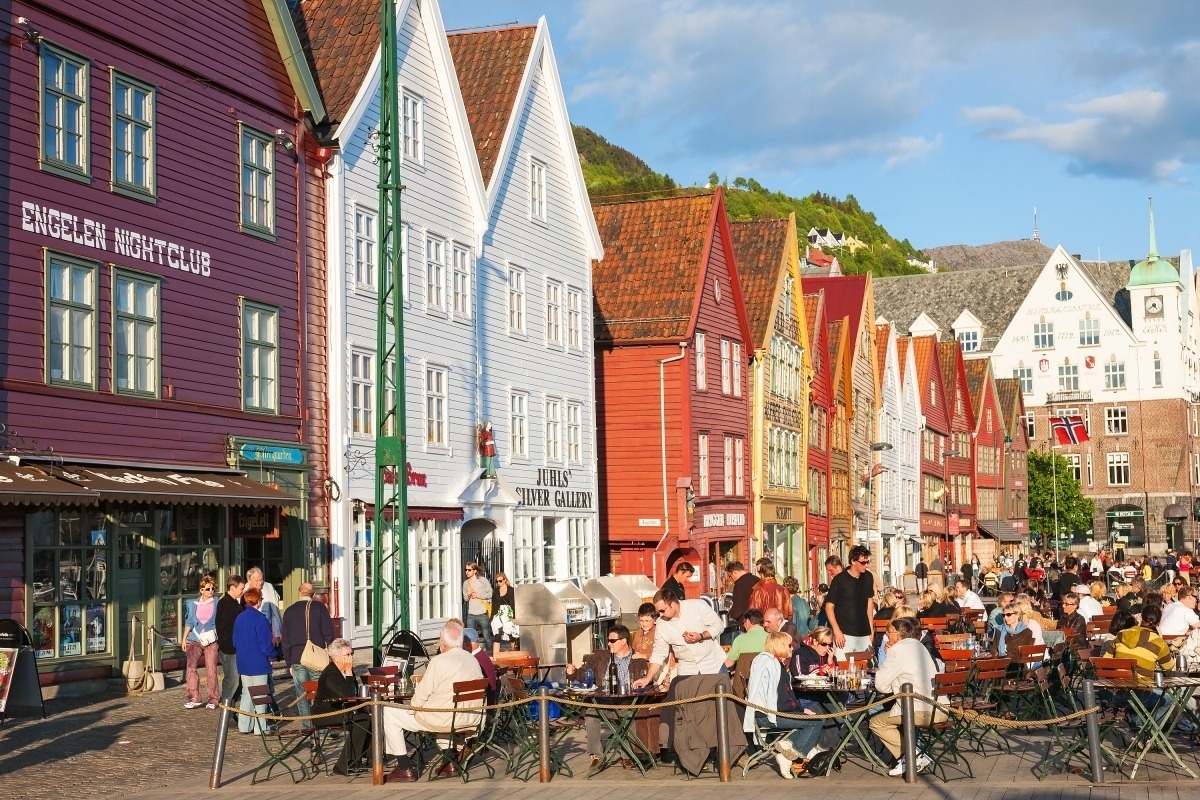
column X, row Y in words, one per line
column 35, row 485
column 1175, row 512
column 129, row 485
column 1001, row 531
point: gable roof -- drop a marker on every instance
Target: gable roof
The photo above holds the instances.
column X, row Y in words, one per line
column 929, row 369
column 341, row 41
column 1008, row 397
column 977, row 370
column 291, row 52
column 845, row 295
column 760, row 247
column 882, row 332
column 645, row 288
column 902, row 359
column 491, row 67
column 949, row 356
column 814, row 307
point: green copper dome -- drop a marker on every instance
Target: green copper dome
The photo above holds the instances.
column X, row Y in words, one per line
column 1153, row 270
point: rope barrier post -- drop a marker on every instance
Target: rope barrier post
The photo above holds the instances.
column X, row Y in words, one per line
column 1093, row 730
column 722, row 736
column 908, row 734
column 377, row 757
column 218, row 762
column 543, row 702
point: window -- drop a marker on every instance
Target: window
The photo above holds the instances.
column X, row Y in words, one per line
column 133, row 135
column 968, row 340
column 389, row 398
column 435, row 274
column 1114, row 375
column 580, row 558
column 932, row 394
column 258, row 182
column 701, row 368
column 934, row 494
column 739, row 463
column 1196, row 469
column 1076, row 462
column 1089, row 469
column 1118, row 469
column 1043, row 335
column 516, row 300
column 462, row 282
column 67, row 566
column 183, row 557
column 71, row 319
column 703, row 448
column 518, row 419
column 435, row 406
column 737, row 369
column 575, row 433
column 574, row 319
column 549, row 546
column 413, row 124
column 135, row 334
column 362, row 393
column 260, row 357
column 363, row 576
column 1116, row 421
column 64, row 112
column 1158, row 371
column 1030, row 427
column 726, row 371
column 728, row 453
column 364, row 248
column 436, row 578
column 537, row 190
column 553, row 448
column 1068, row 377
column 1089, row 332
column 553, row 313
column 1025, row 376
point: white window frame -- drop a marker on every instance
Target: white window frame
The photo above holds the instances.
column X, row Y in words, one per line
column 1043, row 335
column 1196, row 469
column 1089, row 332
column 133, row 136
column 968, row 340
column 260, row 359
column 77, row 303
column 1068, row 377
column 142, row 343
column 365, row 242
column 574, row 432
column 737, row 369
column 739, row 465
column 727, row 453
column 436, row 578
column 1116, row 421
column 554, row 313
column 701, row 365
column 537, row 190
column 1030, row 425
column 726, row 370
column 1114, row 375
column 362, row 393
column 552, row 434
column 435, row 274
column 527, row 550
column 516, row 300
column 257, row 181
column 461, row 282
column 581, row 559
column 1024, row 376
column 412, row 125
column 64, row 108
column 362, row 576
column 437, row 406
column 518, row 425
column 1158, row 371
column 1075, row 460
column 702, row 446
column 574, row 318
column 1118, row 468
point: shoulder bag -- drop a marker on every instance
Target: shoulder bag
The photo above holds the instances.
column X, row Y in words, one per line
column 313, row 657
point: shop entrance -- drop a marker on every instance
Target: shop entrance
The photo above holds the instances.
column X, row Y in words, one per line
column 481, row 545
column 136, row 584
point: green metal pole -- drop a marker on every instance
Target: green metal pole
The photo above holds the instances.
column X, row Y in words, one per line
column 389, row 541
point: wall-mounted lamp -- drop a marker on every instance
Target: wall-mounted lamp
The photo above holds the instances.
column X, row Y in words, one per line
column 32, row 34
column 286, row 142
column 231, row 457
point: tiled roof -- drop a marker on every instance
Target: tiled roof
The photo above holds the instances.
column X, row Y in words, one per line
column 844, row 297
column 490, row 66
column 340, row 39
column 835, row 338
column 812, row 310
column 977, row 372
column 1008, row 397
column 901, row 357
column 819, row 258
column 925, row 352
column 881, row 339
column 759, row 247
column 645, row 287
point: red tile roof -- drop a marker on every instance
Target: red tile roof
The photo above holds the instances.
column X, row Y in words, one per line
column 819, row 258
column 760, row 247
column 977, row 372
column 901, row 357
column 812, row 312
column 490, row 66
column 882, row 331
column 340, row 40
column 645, row 288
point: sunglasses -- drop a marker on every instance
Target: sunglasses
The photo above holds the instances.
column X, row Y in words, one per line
column 207, row 588
column 613, row 641
column 822, row 644
column 1010, row 613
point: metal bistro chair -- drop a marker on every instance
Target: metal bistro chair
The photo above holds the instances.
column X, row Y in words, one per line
column 464, row 739
column 322, row 730
column 938, row 740
column 989, row 676
column 1111, row 715
column 765, row 738
column 522, row 728
column 281, row 744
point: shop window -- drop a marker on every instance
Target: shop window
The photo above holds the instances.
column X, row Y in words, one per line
column 68, row 606
column 363, row 576
column 436, row 577
column 527, row 553
column 189, row 540
column 580, row 551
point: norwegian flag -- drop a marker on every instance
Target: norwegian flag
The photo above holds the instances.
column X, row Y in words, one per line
column 1069, row 430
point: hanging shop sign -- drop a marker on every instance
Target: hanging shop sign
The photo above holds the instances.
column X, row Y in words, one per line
column 271, row 454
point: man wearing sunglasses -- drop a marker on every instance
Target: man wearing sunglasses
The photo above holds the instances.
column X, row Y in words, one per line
column 691, row 630
column 620, row 656
column 850, row 604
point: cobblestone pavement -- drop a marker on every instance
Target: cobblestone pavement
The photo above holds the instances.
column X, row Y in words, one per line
column 149, row 746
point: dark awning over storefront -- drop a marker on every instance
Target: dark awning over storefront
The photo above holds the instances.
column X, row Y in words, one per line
column 134, row 485
column 34, row 485
column 1175, row 512
column 1001, row 531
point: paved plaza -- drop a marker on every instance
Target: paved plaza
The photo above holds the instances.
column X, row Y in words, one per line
column 149, row 746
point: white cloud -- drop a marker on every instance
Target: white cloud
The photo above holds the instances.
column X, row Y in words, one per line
column 992, row 115
column 1141, row 104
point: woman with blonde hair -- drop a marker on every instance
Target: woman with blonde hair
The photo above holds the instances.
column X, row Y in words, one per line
column 200, row 643
column 1099, row 593
column 770, row 686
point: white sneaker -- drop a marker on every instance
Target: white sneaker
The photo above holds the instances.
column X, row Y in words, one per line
column 785, row 766
column 784, row 748
column 817, row 749
column 211, row 706
column 190, row 704
column 897, row 770
column 923, row 762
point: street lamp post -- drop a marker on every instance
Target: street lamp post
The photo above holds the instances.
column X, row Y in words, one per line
column 946, row 487
column 876, row 447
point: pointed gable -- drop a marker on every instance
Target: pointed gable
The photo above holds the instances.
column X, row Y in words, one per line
column 341, row 41
column 929, row 373
column 954, row 378
column 882, row 333
column 491, row 68
column 814, row 316
column 845, row 296
column 760, row 247
column 646, row 288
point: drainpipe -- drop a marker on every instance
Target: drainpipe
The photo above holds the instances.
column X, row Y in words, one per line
column 662, row 432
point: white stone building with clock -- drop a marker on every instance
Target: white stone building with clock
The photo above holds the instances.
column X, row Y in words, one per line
column 1119, row 346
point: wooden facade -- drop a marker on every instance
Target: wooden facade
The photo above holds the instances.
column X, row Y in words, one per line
column 820, row 420
column 960, row 467
column 934, row 441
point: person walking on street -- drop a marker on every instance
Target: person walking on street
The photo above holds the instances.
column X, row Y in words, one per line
column 477, row 591
column 252, row 640
column 921, row 571
column 200, row 642
column 228, row 609
column 850, row 604
column 305, row 621
column 683, row 573
column 270, row 604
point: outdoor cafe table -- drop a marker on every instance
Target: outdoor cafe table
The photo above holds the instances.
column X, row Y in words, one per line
column 617, row 713
column 1152, row 732
column 838, row 700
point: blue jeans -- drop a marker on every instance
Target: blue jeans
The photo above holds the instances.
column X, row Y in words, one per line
column 246, row 723
column 300, row 674
column 804, row 734
column 481, row 623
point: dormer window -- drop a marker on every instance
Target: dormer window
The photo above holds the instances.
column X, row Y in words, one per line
column 968, row 340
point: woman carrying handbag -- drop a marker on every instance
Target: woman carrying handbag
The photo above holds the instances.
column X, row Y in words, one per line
column 200, row 641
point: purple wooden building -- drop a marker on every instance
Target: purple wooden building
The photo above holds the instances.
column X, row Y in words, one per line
column 157, row 278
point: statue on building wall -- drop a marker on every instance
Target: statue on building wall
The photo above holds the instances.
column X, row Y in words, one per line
column 487, row 450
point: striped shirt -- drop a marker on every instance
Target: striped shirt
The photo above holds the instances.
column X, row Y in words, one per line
column 1147, row 649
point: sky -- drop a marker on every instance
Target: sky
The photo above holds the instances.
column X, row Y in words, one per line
column 951, row 121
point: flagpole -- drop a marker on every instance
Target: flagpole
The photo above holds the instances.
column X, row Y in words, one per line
column 1054, row 489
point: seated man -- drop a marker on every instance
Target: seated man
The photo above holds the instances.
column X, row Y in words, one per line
column 334, row 685
column 435, row 690
column 908, row 662
column 775, row 622
column 618, row 657
column 967, row 598
column 752, row 640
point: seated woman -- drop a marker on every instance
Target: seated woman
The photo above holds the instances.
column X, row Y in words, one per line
column 1012, row 634
column 1072, row 623
column 336, row 683
column 770, row 686
column 934, row 604
column 814, row 654
column 1034, row 620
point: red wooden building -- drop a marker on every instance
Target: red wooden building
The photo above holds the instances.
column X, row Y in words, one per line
column 934, row 442
column 820, row 416
column 989, row 437
column 960, row 459
column 1015, row 503
column 673, row 415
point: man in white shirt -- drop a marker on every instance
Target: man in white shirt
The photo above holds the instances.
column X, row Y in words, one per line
column 692, row 631
column 907, row 662
column 1088, row 606
column 1180, row 617
column 1096, row 567
column 967, row 598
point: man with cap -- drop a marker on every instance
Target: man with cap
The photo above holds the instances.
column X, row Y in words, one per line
column 1088, row 606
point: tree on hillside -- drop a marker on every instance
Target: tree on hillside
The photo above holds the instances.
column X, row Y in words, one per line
column 1052, row 485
